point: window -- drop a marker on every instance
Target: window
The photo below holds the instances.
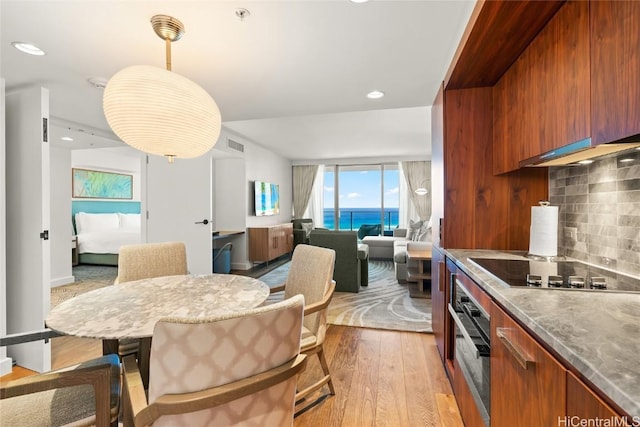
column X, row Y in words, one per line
column 361, row 196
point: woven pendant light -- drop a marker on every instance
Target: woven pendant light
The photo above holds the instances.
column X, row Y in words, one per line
column 158, row 111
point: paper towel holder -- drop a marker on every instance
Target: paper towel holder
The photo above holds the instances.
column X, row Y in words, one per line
column 544, row 204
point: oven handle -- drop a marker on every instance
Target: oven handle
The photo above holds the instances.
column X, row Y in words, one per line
column 462, row 329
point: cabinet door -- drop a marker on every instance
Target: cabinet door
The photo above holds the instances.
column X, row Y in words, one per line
column 542, row 101
column 438, row 299
column 585, row 404
column 615, row 70
column 528, row 386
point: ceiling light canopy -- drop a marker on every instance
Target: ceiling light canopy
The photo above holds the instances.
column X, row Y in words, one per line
column 29, row 48
column 160, row 112
column 375, row 94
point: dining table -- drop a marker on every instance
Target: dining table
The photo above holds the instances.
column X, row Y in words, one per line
column 131, row 309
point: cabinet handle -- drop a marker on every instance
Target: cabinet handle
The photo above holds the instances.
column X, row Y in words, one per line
column 519, row 355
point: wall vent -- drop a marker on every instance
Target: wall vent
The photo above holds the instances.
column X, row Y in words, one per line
column 235, row 145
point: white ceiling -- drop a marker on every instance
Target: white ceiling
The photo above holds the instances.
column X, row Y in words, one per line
column 292, row 76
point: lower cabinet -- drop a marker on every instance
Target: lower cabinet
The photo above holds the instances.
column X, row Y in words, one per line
column 528, row 385
column 439, row 299
column 267, row 243
column 584, row 404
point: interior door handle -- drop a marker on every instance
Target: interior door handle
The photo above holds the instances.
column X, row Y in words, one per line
column 204, row 221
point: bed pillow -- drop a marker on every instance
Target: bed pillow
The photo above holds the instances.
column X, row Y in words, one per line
column 89, row 222
column 129, row 221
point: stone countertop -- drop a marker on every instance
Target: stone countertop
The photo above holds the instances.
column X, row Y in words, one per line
column 598, row 333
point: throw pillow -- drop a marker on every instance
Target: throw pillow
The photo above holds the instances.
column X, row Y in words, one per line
column 307, row 227
column 414, row 228
column 423, row 234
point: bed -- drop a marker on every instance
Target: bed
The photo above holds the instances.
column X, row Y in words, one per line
column 100, row 235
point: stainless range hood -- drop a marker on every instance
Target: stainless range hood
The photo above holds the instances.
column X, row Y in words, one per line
column 578, row 151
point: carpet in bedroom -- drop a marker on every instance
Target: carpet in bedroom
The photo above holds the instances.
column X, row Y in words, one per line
column 384, row 304
column 88, row 278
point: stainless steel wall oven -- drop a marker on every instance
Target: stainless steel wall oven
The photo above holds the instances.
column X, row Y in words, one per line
column 472, row 344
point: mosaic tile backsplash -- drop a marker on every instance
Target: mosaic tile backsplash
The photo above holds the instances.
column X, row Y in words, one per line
column 599, row 211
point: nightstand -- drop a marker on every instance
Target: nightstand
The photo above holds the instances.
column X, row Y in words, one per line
column 74, row 251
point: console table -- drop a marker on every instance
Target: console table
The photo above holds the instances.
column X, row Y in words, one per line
column 270, row 242
column 420, row 273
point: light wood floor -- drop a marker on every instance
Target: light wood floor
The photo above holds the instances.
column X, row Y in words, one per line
column 382, row 378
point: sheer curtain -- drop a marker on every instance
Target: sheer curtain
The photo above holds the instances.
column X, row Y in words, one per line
column 407, row 210
column 303, row 177
column 315, row 209
column 418, row 174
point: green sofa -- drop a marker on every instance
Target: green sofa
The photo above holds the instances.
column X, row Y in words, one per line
column 300, row 235
column 352, row 259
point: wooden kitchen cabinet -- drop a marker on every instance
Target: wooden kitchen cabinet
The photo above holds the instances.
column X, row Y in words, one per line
column 585, row 404
column 270, row 242
column 528, row 385
column 615, row 70
column 542, row 102
column 439, row 299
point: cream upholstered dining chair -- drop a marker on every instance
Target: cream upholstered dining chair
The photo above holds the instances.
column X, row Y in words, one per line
column 311, row 275
column 234, row 369
column 144, row 261
column 87, row 394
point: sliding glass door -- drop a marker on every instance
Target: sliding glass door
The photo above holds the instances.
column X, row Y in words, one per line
column 363, row 198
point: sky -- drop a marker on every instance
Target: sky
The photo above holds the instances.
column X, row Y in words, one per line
column 361, row 189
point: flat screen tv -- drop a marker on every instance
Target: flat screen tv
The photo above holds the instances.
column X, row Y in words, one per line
column 267, row 198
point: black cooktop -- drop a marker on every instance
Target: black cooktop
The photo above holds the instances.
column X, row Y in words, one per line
column 564, row 274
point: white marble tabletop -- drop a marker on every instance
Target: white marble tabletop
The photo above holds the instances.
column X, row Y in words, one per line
column 131, row 309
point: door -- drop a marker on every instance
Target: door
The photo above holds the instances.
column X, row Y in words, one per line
column 27, row 202
column 178, row 203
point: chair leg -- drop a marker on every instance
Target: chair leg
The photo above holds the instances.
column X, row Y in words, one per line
column 325, row 369
column 326, row 379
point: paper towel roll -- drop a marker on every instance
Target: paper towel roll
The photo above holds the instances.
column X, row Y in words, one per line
column 543, row 239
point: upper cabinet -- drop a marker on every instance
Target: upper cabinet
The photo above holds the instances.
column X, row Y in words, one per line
column 615, row 70
column 542, row 101
column 579, row 78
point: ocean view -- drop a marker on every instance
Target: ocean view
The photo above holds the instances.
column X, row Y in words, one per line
column 353, row 218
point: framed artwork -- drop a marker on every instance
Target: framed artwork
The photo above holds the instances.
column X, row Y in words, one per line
column 92, row 184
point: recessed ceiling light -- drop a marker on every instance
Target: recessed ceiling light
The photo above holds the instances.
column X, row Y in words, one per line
column 29, row 48
column 585, row 162
column 66, row 138
column 376, row 94
column 359, row 1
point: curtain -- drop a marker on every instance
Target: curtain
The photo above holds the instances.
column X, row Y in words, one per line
column 407, row 210
column 315, row 209
column 303, row 177
column 418, row 174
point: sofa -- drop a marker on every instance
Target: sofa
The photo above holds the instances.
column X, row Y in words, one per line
column 352, row 259
column 301, row 230
column 395, row 248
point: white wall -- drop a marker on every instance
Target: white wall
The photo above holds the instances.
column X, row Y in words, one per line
column 234, row 174
column 61, row 229
column 5, row 362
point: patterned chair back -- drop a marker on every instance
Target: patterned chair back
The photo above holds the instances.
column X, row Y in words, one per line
column 195, row 354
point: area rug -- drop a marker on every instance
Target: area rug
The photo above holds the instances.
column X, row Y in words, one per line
column 384, row 304
column 88, row 278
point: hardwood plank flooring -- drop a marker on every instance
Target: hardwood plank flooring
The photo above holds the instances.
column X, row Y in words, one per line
column 382, row 378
